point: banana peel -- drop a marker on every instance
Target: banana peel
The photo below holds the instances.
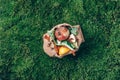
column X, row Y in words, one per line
column 63, row 50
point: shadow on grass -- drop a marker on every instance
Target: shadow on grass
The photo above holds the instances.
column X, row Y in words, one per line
column 93, row 46
column 86, row 48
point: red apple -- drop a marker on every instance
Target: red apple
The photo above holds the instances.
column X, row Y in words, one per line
column 62, row 33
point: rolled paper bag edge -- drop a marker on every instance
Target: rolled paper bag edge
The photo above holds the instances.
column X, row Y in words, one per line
column 78, row 26
column 48, row 49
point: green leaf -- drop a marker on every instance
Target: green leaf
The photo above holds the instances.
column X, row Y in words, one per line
column 51, row 34
column 74, row 31
column 67, row 44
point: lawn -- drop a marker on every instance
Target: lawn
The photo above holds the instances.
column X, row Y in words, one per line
column 23, row 23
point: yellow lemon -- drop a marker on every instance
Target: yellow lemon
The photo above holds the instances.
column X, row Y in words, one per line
column 63, row 50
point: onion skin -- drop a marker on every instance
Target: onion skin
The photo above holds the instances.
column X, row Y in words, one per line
column 62, row 33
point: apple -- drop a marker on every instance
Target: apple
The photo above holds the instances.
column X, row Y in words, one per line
column 62, row 33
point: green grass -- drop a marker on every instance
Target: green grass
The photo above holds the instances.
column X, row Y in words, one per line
column 23, row 22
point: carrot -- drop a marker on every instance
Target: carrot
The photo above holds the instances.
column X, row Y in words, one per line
column 56, row 49
column 73, row 52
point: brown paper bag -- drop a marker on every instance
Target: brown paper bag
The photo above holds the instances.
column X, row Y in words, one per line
column 49, row 46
